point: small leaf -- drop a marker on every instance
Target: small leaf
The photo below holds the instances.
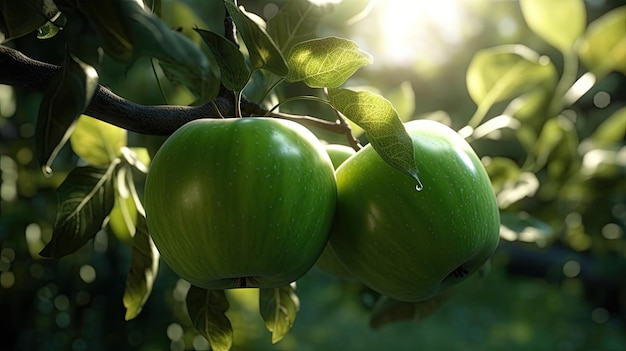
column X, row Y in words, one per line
column 233, row 69
column 295, row 22
column 263, row 52
column 382, row 126
column 143, row 270
column 85, row 199
column 207, row 310
column 554, row 135
column 558, row 22
column 19, row 17
column 505, row 71
column 388, row 310
column 279, row 307
column 47, row 31
column 123, row 216
column 612, row 130
column 326, row 62
column 97, row 142
column 603, row 47
column 66, row 98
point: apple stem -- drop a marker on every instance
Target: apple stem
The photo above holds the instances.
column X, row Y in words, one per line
column 460, row 272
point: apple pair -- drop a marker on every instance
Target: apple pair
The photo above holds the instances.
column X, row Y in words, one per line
column 253, row 202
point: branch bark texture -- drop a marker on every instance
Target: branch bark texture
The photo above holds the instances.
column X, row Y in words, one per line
column 18, row 70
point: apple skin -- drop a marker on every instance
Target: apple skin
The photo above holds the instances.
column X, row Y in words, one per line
column 327, row 261
column 244, row 202
column 413, row 245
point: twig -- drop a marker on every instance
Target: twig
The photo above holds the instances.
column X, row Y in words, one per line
column 345, row 128
column 18, row 70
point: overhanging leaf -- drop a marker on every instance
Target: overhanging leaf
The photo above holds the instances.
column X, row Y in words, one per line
column 388, row 310
column 152, row 37
column 326, row 62
column 279, row 307
column 107, row 18
column 97, row 142
column 207, row 310
column 233, row 69
column 558, row 22
column 295, row 22
column 382, row 126
column 85, row 199
column 65, row 99
column 505, row 71
column 143, row 270
column 603, row 47
column 263, row 52
column 21, row 17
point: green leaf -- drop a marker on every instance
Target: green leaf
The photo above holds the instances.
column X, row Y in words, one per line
column 505, row 71
column 84, row 200
column 387, row 310
column 233, row 69
column 263, row 52
column 603, row 47
column 203, row 88
column 47, row 31
column 611, row 131
column 21, row 17
column 557, row 149
column 326, row 62
column 108, row 20
column 279, row 307
column 558, row 22
column 97, row 142
column 295, row 22
column 207, row 310
column 523, row 227
column 152, row 37
column 382, row 126
column 143, row 270
column 66, row 98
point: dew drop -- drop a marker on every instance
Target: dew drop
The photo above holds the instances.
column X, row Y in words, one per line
column 419, row 185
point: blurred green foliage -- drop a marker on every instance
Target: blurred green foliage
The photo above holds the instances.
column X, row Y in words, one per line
column 558, row 282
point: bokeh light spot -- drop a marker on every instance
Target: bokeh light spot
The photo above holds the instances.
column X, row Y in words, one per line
column 600, row 315
column 200, row 343
column 571, row 269
column 87, row 273
column 7, row 279
column 602, row 99
column 175, row 331
column 612, row 231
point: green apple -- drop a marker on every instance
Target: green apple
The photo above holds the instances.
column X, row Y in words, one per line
column 245, row 202
column 412, row 245
column 328, row 262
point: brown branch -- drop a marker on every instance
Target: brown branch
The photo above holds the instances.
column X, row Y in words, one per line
column 18, row 70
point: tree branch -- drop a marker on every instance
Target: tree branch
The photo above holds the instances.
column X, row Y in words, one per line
column 18, row 70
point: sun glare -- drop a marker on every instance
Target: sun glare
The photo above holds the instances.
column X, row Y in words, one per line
column 419, row 30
